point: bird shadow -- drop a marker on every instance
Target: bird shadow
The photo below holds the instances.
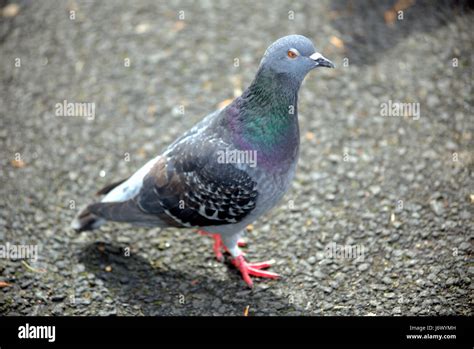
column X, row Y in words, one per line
column 155, row 290
column 371, row 28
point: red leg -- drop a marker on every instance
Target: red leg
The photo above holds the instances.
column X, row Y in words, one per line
column 219, row 245
column 217, row 248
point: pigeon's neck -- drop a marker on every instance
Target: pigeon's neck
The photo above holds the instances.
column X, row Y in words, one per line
column 274, row 93
column 265, row 117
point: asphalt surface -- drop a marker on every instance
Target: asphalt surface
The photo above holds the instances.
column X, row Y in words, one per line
column 399, row 188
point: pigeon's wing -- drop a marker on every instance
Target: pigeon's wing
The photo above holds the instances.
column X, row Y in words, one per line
column 190, row 187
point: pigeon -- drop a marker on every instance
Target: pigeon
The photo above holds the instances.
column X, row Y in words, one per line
column 229, row 169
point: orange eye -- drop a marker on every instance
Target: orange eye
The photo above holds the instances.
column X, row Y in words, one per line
column 292, row 54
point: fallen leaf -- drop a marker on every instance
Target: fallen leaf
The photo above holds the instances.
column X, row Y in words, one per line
column 335, row 41
column 4, row 284
column 18, row 163
column 389, row 16
column 11, row 10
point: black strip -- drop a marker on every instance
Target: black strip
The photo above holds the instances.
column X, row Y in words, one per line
column 323, row 330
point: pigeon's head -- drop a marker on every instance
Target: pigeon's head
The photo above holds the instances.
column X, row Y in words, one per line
column 294, row 56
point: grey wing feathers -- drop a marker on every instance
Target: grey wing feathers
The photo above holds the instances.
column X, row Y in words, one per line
column 192, row 189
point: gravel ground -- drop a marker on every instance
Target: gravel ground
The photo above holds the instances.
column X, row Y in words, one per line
column 398, row 188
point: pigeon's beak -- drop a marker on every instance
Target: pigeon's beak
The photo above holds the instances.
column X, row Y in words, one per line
column 321, row 61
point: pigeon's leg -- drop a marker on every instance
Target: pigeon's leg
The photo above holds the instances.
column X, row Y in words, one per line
column 218, row 245
column 247, row 269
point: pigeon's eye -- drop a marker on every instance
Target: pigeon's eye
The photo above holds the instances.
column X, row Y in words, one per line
column 292, row 53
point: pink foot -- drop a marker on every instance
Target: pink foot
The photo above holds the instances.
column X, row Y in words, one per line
column 254, row 269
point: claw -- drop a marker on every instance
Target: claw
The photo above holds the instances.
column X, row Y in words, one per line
column 261, row 265
column 254, row 269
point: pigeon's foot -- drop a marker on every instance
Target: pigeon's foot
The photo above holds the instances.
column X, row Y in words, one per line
column 246, row 269
column 219, row 245
column 253, row 269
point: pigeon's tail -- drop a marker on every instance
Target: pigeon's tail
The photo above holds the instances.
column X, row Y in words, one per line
column 86, row 220
column 94, row 215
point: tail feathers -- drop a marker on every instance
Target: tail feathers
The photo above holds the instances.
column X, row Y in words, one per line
column 94, row 215
column 86, row 220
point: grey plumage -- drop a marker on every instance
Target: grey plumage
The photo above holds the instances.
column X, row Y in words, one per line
column 190, row 185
